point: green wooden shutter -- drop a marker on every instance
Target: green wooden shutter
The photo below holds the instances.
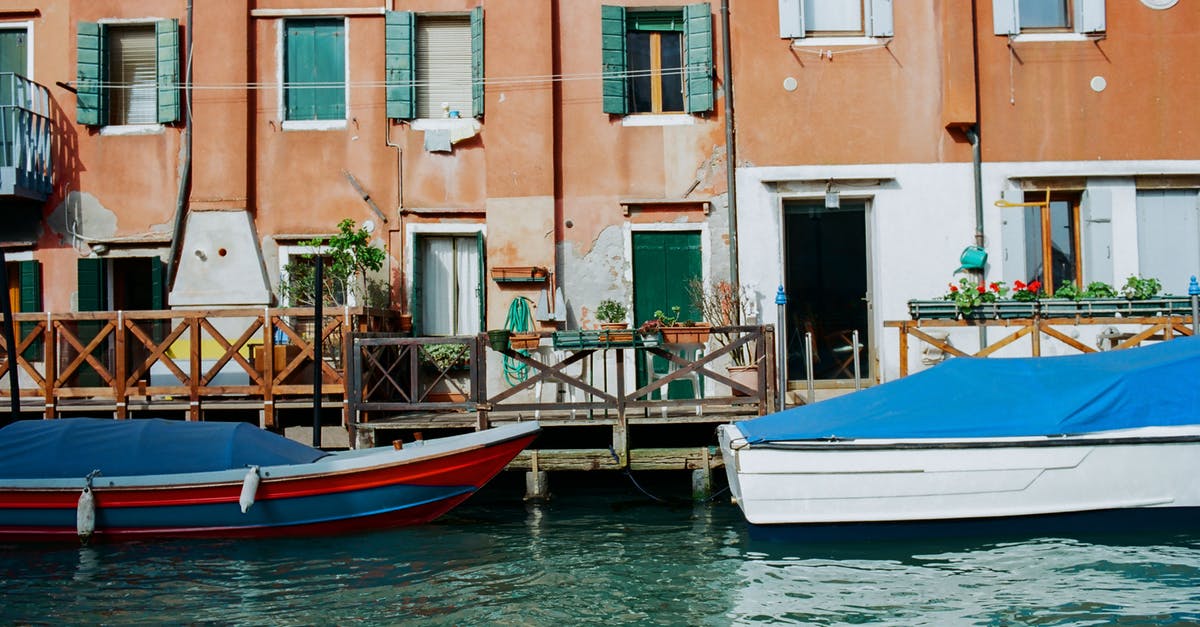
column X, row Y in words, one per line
column 698, row 42
column 167, row 38
column 89, row 67
column 418, row 288
column 316, row 70
column 401, row 62
column 481, row 288
column 30, row 280
column 612, row 58
column 477, row 62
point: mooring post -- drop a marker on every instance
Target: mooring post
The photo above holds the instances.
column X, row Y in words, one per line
column 537, row 482
column 318, row 324
column 1194, row 293
column 702, row 477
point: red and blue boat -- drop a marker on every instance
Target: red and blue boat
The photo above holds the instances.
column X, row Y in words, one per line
column 98, row 479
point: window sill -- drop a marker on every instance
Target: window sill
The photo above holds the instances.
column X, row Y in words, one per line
column 1053, row 37
column 314, row 125
column 132, row 129
column 658, row 119
column 830, row 42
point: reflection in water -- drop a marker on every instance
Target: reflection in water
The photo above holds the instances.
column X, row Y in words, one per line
column 609, row 558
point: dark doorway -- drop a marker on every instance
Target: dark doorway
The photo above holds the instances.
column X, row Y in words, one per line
column 826, row 282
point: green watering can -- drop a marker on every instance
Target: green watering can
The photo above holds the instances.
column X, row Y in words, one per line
column 972, row 258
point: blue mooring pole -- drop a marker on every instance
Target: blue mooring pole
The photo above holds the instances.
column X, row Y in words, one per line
column 318, row 327
column 1194, row 292
column 781, row 351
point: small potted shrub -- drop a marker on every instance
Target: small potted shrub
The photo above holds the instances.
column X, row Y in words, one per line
column 611, row 314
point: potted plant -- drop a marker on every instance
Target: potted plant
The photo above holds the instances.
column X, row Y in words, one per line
column 724, row 305
column 674, row 330
column 975, row 301
column 1145, row 297
column 445, row 357
column 1098, row 299
column 611, row 314
column 498, row 338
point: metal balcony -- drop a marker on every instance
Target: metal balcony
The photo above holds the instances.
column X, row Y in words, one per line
column 25, row 165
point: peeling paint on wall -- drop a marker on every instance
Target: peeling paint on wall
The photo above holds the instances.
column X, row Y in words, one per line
column 80, row 218
column 594, row 276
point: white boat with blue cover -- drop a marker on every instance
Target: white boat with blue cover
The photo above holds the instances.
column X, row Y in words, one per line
column 983, row 439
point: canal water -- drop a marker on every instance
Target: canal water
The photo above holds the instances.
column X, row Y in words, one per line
column 606, row 554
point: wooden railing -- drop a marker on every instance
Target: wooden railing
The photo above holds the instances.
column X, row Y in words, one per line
column 1038, row 329
column 151, row 357
column 389, row 377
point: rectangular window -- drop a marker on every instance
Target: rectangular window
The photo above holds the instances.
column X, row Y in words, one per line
column 133, row 88
column 1051, row 253
column 127, row 74
column 1016, row 17
column 448, row 285
column 1044, row 14
column 444, row 66
column 315, row 69
column 833, row 17
column 656, row 61
column 434, row 65
column 1168, row 236
column 654, row 45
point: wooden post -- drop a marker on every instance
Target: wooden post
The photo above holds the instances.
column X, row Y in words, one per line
column 122, row 369
column 195, row 369
column 51, row 341
column 621, row 428
column 1035, row 338
column 268, row 376
column 903, row 329
column 766, row 374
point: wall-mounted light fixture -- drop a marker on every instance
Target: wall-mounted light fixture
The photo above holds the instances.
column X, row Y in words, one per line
column 833, row 198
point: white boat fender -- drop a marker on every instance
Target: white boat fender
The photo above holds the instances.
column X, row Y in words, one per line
column 85, row 510
column 249, row 488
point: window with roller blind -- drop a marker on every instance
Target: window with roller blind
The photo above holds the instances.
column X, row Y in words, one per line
column 127, row 74
column 434, row 65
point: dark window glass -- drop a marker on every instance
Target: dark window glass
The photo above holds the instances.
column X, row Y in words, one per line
column 672, row 67
column 637, row 54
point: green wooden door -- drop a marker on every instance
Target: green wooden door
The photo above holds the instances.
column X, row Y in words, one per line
column 13, row 58
column 663, row 265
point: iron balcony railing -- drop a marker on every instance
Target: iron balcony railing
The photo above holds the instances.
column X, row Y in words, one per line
column 25, row 164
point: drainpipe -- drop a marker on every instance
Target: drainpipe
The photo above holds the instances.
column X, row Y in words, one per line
column 977, row 163
column 730, row 152
column 185, row 158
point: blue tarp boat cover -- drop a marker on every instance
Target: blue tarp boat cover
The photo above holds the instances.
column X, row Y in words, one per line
column 74, row 447
column 968, row 397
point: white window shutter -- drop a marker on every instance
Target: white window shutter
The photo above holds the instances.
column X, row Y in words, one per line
column 1096, row 212
column 1089, row 16
column 879, row 22
column 1012, row 239
column 791, row 19
column 1004, row 17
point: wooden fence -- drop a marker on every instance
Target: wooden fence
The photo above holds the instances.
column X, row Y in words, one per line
column 119, row 360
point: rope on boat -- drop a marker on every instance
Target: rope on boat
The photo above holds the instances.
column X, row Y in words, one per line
column 249, row 489
column 85, row 510
column 632, row 480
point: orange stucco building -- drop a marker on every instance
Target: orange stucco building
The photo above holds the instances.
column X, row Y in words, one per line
column 195, row 146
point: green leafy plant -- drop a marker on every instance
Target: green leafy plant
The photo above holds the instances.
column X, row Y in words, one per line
column 348, row 257
column 610, row 311
column 1099, row 289
column 968, row 296
column 1138, row 288
column 444, row 356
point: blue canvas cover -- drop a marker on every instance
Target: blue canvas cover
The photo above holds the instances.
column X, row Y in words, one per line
column 74, row 447
column 967, row 397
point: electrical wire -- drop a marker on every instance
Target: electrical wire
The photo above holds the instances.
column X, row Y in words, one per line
column 519, row 320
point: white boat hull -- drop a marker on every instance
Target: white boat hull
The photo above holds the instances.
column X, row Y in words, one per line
column 821, row 482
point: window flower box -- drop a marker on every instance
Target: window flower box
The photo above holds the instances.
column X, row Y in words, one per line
column 695, row 334
column 519, row 274
column 524, row 341
column 932, row 309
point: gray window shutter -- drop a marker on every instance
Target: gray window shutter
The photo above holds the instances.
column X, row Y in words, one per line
column 1012, row 236
column 879, row 24
column 791, row 19
column 89, row 67
column 1089, row 16
column 698, row 55
column 401, row 61
column 1096, row 213
column 477, row 61
column 1004, row 17
column 612, row 58
column 167, row 37
column 481, row 288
